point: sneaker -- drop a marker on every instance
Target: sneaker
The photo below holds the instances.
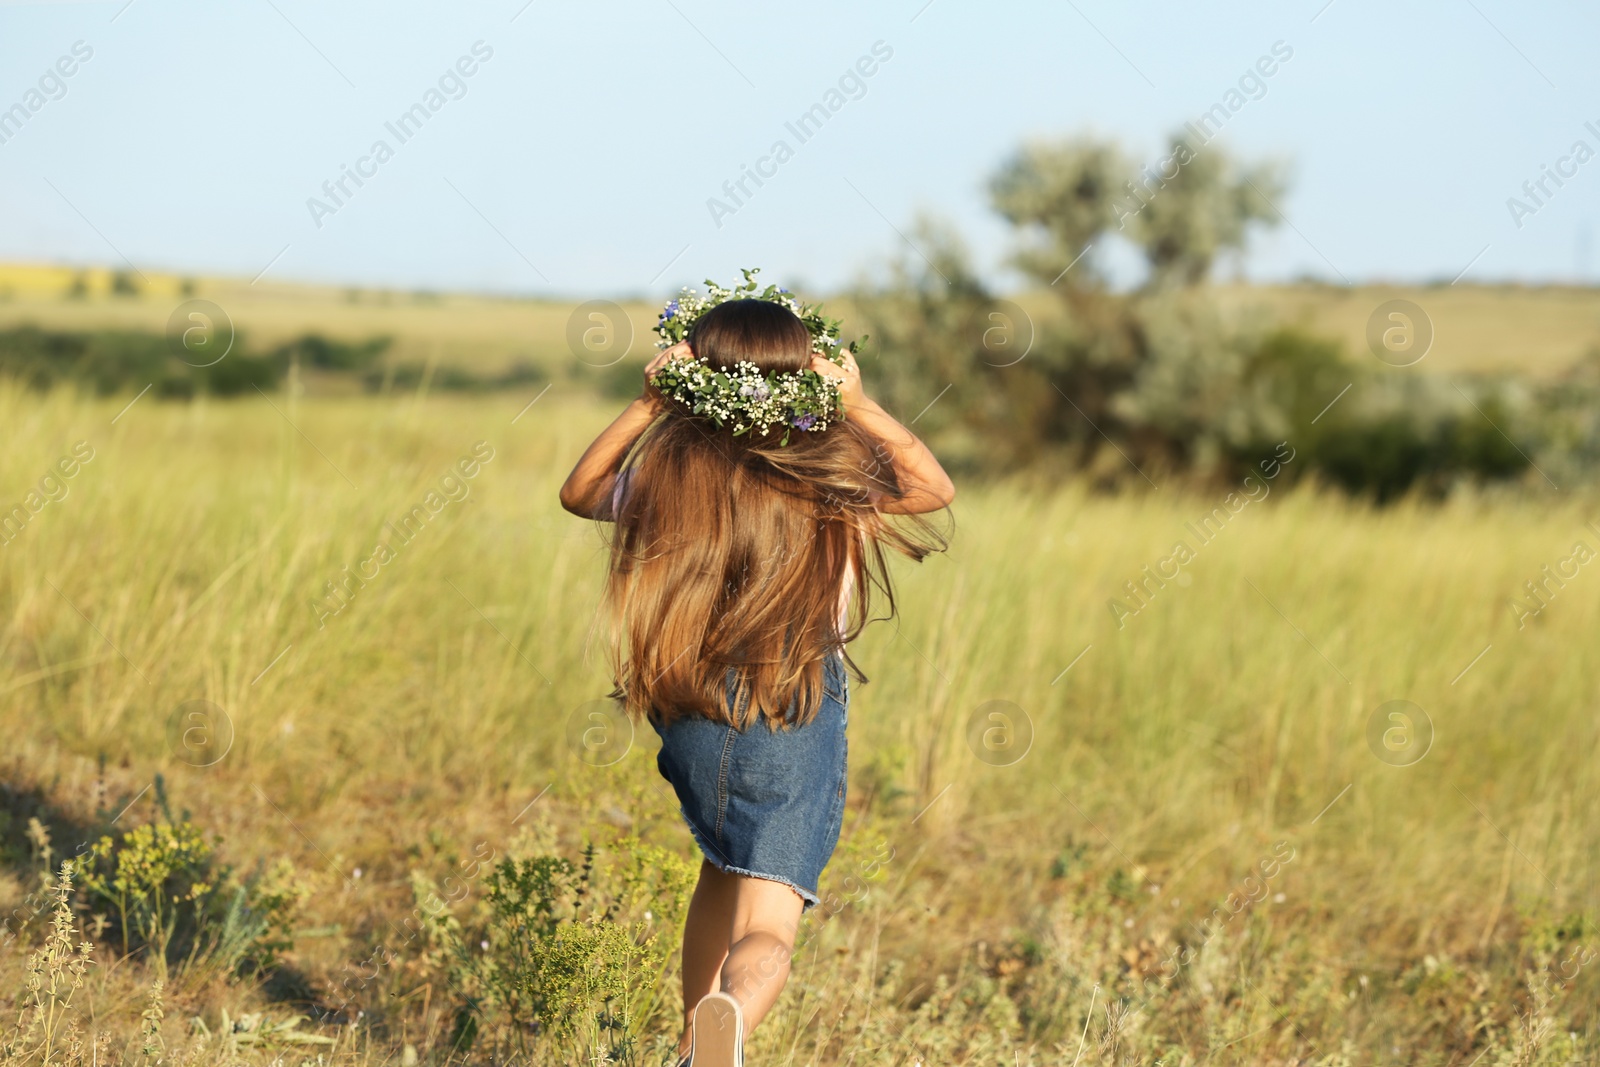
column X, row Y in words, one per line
column 718, row 1036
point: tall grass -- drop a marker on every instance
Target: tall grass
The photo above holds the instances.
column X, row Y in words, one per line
column 988, row 904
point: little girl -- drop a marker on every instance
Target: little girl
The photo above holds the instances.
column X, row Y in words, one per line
column 741, row 565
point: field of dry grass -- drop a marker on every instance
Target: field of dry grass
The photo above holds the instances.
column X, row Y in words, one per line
column 1477, row 329
column 1085, row 825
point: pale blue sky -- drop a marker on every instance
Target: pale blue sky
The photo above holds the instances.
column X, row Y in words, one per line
column 581, row 157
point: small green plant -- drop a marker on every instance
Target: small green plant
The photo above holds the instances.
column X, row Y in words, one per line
column 164, row 888
column 46, row 1030
column 570, row 953
column 256, row 925
column 151, row 1046
column 152, row 877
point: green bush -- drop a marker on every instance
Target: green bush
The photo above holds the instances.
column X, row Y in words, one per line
column 107, row 362
column 571, row 954
column 1152, row 384
column 1136, row 387
column 314, row 350
column 161, row 885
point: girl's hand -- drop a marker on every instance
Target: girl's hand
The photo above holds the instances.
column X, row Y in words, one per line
column 651, row 395
column 848, row 376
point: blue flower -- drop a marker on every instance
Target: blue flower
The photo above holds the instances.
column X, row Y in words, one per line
column 758, row 391
column 805, row 422
column 669, row 311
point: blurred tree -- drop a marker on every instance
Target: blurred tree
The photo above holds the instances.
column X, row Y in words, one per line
column 1182, row 211
column 999, row 388
column 1062, row 196
column 1134, row 386
column 1195, row 205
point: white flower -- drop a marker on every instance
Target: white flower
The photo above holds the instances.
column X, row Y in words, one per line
column 744, row 396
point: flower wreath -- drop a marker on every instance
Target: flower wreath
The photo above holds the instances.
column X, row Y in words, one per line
column 746, row 397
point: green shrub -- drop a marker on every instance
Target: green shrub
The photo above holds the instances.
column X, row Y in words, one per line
column 1133, row 387
column 1154, row 384
column 572, row 955
column 165, row 891
column 108, row 362
column 314, row 350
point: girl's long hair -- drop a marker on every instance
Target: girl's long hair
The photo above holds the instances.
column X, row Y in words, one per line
column 729, row 552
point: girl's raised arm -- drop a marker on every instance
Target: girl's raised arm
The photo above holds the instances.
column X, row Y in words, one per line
column 925, row 485
column 587, row 490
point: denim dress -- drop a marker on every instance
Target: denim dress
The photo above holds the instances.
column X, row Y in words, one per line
column 762, row 802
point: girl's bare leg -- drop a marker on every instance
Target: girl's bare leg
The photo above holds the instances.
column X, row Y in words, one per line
column 705, row 940
column 766, row 917
column 738, row 937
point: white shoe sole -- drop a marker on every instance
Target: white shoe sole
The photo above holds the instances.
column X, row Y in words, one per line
column 718, row 1039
